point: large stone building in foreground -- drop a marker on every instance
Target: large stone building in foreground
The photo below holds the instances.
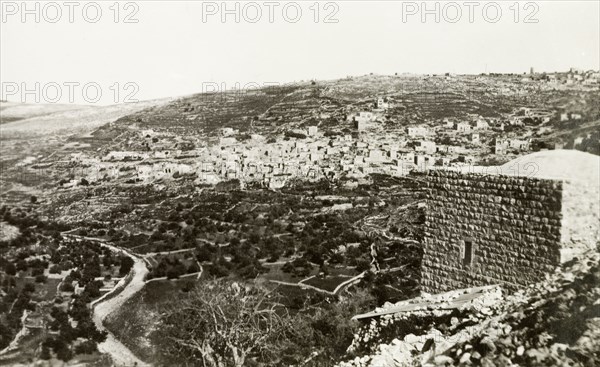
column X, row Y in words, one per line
column 510, row 224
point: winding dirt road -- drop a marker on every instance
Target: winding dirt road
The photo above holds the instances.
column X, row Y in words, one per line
column 124, row 290
column 120, row 354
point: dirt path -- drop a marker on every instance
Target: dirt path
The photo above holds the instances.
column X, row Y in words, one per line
column 120, row 354
column 124, row 290
column 14, row 344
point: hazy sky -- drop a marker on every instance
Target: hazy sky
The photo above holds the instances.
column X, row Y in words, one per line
column 172, row 50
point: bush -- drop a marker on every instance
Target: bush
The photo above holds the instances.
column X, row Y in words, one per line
column 63, row 352
column 86, row 347
column 10, row 269
column 176, row 271
column 291, row 134
column 45, row 353
column 67, row 287
column 126, row 265
column 204, row 253
column 362, row 265
column 93, row 289
column 217, row 270
column 29, row 287
column 22, row 265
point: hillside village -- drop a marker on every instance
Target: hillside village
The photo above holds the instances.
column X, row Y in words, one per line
column 328, row 201
column 300, row 183
column 315, row 136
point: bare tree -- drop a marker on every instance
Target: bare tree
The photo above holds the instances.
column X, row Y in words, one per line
column 223, row 324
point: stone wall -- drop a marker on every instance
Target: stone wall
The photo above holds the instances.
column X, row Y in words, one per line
column 512, row 223
column 580, row 215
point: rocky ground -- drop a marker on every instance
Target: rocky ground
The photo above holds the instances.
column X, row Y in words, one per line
column 552, row 323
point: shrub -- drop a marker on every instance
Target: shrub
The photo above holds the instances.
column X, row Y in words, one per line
column 10, row 269
column 86, row 347
column 67, row 287
column 40, row 278
column 29, row 287
column 126, row 265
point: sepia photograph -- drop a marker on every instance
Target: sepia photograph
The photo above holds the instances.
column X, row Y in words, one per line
column 309, row 183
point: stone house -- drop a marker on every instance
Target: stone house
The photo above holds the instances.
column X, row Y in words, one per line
column 363, row 125
column 376, row 156
column 481, row 124
column 462, row 127
column 449, row 149
column 407, row 157
column 519, row 144
column 425, row 146
column 417, row 131
column 121, row 155
column 424, row 161
column 501, row 146
column 365, row 116
column 509, row 226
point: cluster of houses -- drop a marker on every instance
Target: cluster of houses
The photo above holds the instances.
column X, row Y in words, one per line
column 572, row 78
column 312, row 155
column 273, row 164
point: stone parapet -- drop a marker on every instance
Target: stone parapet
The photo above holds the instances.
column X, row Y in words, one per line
column 512, row 226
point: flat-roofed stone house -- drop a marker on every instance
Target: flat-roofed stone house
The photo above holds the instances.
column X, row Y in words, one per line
column 512, row 224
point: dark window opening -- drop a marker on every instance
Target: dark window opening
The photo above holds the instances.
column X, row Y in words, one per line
column 468, row 256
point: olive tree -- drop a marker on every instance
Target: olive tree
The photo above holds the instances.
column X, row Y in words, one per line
column 224, row 324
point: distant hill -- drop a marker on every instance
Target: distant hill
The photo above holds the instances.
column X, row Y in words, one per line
column 326, row 103
column 21, row 119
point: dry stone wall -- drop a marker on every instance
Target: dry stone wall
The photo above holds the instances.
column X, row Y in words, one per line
column 511, row 224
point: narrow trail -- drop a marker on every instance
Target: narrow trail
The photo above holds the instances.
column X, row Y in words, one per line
column 14, row 344
column 120, row 354
column 103, row 307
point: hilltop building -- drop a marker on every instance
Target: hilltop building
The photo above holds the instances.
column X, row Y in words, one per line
column 512, row 224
